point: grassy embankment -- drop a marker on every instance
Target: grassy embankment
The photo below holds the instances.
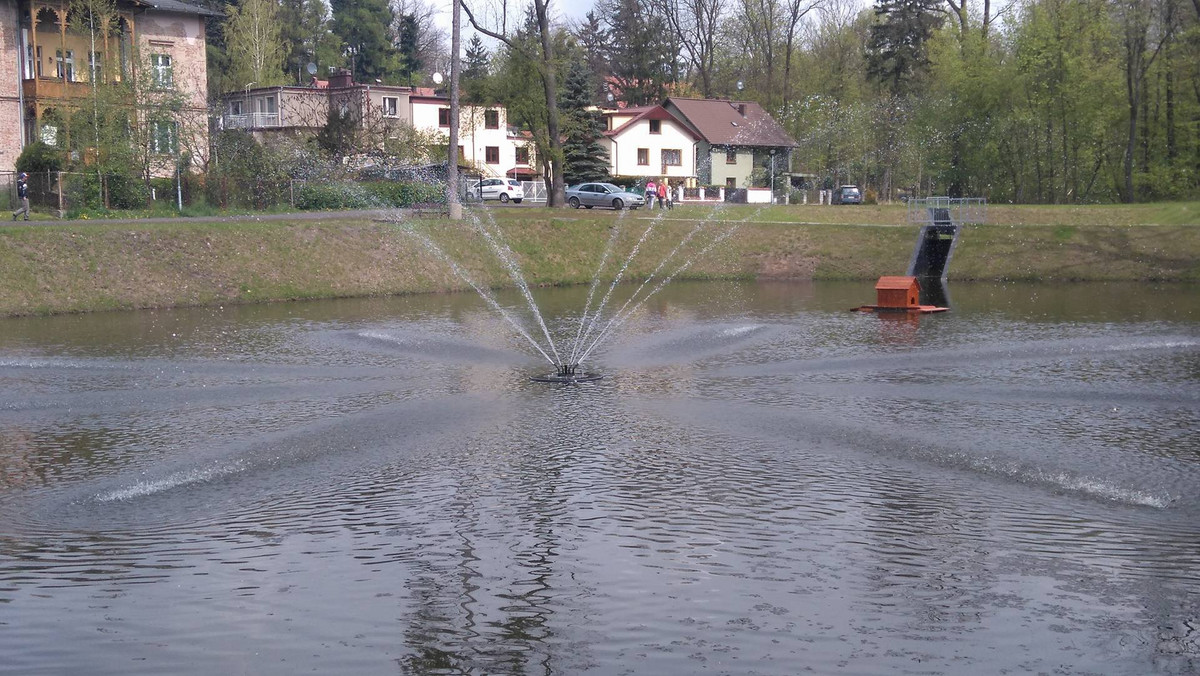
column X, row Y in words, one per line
column 99, row 266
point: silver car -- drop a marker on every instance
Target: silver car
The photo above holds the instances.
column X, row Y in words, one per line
column 603, row 195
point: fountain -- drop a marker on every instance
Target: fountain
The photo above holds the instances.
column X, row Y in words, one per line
column 594, row 329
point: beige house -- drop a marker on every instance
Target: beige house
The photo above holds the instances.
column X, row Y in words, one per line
column 56, row 65
column 267, row 110
column 734, row 139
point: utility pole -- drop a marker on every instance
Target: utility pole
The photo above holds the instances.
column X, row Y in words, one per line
column 452, row 152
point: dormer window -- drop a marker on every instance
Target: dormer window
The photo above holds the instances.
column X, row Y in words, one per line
column 655, row 126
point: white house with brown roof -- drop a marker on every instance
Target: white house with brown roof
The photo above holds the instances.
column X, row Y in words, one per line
column 734, row 139
column 648, row 141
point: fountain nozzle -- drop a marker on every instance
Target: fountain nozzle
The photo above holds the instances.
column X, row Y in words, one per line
column 567, row 373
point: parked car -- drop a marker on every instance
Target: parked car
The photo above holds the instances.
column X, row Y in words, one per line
column 603, row 195
column 847, row 194
column 503, row 189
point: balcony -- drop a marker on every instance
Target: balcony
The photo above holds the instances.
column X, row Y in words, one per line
column 251, row 121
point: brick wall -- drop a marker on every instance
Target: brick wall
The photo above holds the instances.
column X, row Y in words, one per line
column 10, row 84
column 182, row 37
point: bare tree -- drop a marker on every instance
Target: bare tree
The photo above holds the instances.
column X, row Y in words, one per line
column 695, row 24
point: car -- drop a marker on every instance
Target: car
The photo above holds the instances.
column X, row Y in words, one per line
column 503, row 189
column 603, row 195
column 847, row 194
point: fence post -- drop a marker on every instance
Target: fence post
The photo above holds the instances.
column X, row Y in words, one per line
column 61, row 212
column 292, row 192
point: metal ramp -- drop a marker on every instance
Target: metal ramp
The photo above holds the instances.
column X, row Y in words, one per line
column 942, row 219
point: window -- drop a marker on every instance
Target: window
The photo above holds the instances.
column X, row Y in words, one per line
column 163, row 138
column 731, row 182
column 95, row 67
column 643, row 157
column 161, row 71
column 391, row 106
column 267, row 105
column 491, row 119
column 64, row 64
column 443, row 117
column 491, row 154
column 235, row 107
column 522, row 155
column 655, row 126
column 672, row 157
column 730, row 156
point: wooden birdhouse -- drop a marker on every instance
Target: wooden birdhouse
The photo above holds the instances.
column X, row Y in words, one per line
column 897, row 292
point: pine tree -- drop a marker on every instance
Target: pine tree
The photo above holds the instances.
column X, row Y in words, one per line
column 304, row 30
column 362, row 26
column 896, row 50
column 584, row 158
column 409, row 59
column 593, row 40
column 475, row 72
column 639, row 52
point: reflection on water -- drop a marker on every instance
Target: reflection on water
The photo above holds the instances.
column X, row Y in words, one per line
column 765, row 483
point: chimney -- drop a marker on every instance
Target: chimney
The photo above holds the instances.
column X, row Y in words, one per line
column 342, row 78
column 742, row 109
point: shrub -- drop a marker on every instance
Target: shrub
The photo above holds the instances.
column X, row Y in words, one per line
column 38, row 157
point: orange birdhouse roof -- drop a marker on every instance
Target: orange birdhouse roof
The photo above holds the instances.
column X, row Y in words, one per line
column 895, row 282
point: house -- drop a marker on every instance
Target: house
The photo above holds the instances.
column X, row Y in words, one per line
column 649, row 141
column 735, row 138
column 486, row 139
column 295, row 109
column 160, row 43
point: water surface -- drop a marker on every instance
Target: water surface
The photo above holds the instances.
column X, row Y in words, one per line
column 764, row 483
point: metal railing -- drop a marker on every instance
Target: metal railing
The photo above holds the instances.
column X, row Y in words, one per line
column 949, row 210
column 251, row 120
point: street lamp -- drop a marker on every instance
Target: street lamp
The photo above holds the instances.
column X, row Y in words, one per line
column 772, row 175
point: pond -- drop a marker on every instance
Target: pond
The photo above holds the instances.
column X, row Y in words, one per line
column 762, row 483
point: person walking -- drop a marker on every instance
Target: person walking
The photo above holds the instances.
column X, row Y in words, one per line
column 23, row 195
column 664, row 193
column 651, row 193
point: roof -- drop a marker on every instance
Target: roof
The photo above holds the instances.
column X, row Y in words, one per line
column 736, row 123
column 654, row 112
column 895, row 282
column 178, row 6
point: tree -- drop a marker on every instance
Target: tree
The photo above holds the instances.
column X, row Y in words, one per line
column 304, row 32
column 536, row 48
column 363, row 27
column 896, row 54
column 253, row 42
column 640, row 52
column 593, row 40
column 410, row 59
column 475, row 73
column 695, row 25
column 584, row 159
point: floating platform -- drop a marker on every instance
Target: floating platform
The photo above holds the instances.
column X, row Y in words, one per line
column 921, row 309
column 899, row 294
column 567, row 373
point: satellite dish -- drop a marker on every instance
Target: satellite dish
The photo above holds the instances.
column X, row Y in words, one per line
column 740, row 85
column 437, row 78
column 311, row 68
